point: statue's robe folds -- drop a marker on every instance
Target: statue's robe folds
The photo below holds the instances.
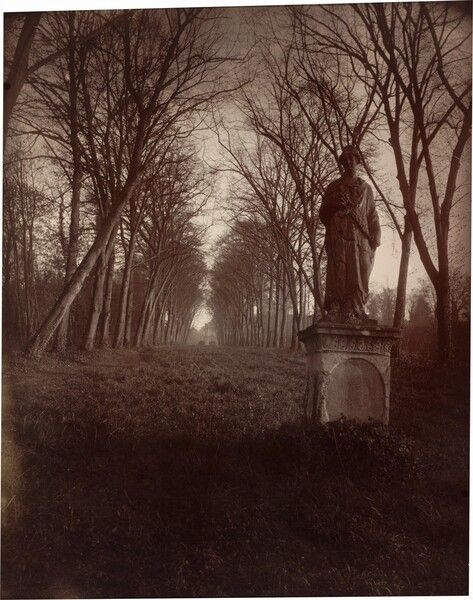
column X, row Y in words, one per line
column 350, row 243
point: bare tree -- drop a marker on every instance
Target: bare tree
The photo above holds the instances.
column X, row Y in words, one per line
column 241, row 289
column 268, row 190
column 19, row 66
column 24, row 204
column 54, row 113
column 415, row 58
column 20, row 69
column 143, row 97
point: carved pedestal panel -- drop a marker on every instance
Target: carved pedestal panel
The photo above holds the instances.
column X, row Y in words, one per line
column 348, row 371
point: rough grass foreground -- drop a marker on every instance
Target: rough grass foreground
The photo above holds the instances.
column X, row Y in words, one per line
column 182, row 472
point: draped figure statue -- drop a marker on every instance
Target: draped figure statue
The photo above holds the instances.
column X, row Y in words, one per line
column 352, row 235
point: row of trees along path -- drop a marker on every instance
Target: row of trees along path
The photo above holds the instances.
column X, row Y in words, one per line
column 393, row 80
column 107, row 104
column 114, row 99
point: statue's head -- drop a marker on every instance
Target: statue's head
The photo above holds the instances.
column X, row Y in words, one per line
column 350, row 157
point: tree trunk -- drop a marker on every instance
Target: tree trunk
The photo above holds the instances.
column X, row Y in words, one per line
column 19, row 68
column 270, row 302
column 157, row 323
column 7, row 295
column 73, row 244
column 124, row 294
column 149, row 324
column 400, row 310
column 145, row 308
column 99, row 299
column 145, row 327
column 294, row 330
column 73, row 251
column 282, row 331
column 129, row 313
column 168, row 321
column 143, row 317
column 171, row 329
column 27, row 284
column 107, row 304
column 276, row 310
column 443, row 312
column 301, row 300
column 38, row 343
column 252, row 325
column 291, row 285
column 18, row 303
column 97, row 302
column 444, row 336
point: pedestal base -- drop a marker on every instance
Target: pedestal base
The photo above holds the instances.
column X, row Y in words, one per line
column 348, row 371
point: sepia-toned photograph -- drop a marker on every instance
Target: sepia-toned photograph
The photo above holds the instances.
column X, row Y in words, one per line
column 236, row 300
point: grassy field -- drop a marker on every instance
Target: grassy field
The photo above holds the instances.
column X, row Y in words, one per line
column 183, row 472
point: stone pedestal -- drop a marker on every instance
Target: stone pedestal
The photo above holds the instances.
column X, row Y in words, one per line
column 348, row 371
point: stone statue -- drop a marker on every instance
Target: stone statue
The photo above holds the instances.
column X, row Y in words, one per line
column 352, row 235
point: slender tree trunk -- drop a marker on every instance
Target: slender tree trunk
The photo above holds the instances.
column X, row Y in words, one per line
column 73, row 243
column 143, row 317
column 96, row 303
column 400, row 310
column 270, row 302
column 7, row 295
column 38, row 343
column 294, row 330
column 157, row 323
column 9, row 235
column 19, row 68
column 175, row 330
column 301, row 299
column 124, row 294
column 307, row 309
column 129, row 313
column 444, row 335
column 256, row 322
column 72, row 253
column 291, row 285
column 18, row 303
column 171, row 329
column 443, row 312
column 282, row 332
column 27, row 285
column 107, row 304
column 150, row 296
column 276, row 310
column 99, row 300
column 252, row 325
column 262, row 332
column 162, row 323
column 149, row 324
column 168, row 322
column 145, row 327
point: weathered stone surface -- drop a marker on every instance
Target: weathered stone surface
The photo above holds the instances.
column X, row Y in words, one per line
column 348, row 355
column 356, row 390
column 348, row 371
column 352, row 235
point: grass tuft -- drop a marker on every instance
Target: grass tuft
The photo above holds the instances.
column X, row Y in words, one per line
column 185, row 472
